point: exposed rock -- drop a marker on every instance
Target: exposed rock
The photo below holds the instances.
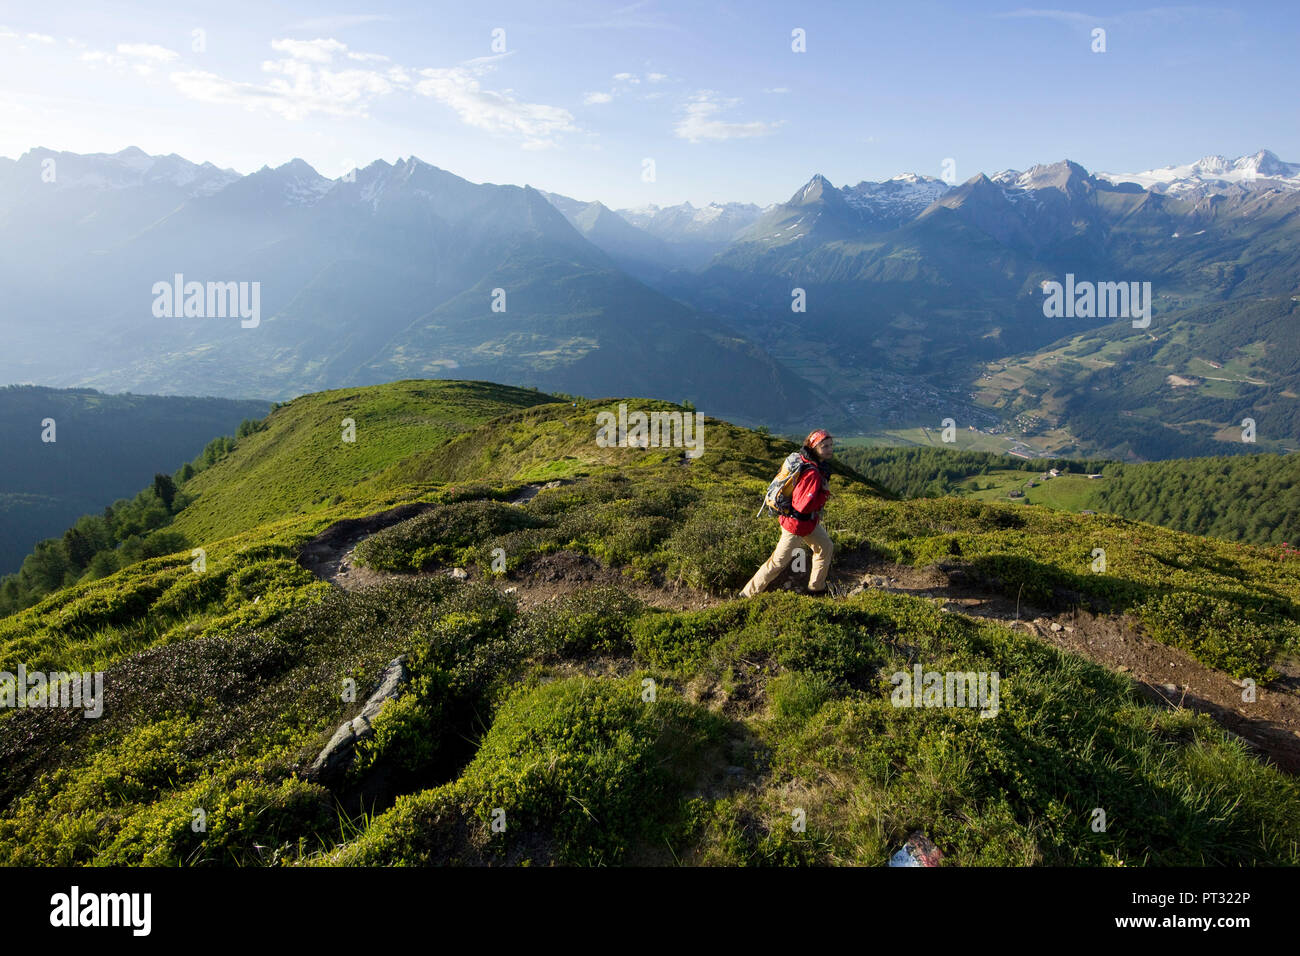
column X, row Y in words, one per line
column 459, row 574
column 338, row 754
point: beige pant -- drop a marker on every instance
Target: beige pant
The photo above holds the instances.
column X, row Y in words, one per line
column 822, row 548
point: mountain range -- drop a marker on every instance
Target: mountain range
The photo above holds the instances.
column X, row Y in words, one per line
column 387, row 272
column 910, row 288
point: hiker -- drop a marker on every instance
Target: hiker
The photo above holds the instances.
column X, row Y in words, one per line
column 800, row 518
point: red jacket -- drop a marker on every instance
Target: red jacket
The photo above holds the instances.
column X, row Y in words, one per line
column 810, row 493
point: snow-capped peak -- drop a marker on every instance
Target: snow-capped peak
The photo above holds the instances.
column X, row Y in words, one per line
column 1260, row 169
column 901, row 196
column 129, row 168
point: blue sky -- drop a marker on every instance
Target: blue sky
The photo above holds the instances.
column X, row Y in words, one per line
column 576, row 96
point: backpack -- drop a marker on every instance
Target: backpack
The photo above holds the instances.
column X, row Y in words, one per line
column 779, row 499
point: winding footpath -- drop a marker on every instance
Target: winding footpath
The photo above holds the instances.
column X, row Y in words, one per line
column 1166, row 675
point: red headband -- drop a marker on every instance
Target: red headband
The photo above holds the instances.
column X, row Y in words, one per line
column 817, row 437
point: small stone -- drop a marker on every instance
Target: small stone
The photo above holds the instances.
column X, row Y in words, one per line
column 1056, row 626
column 459, row 574
column 1124, row 668
column 1172, row 688
column 511, row 590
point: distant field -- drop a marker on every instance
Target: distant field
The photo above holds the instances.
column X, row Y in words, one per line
column 1064, row 493
column 932, row 438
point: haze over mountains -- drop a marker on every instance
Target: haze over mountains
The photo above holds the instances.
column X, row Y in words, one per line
column 916, row 291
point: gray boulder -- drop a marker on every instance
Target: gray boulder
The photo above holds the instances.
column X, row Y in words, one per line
column 339, row 753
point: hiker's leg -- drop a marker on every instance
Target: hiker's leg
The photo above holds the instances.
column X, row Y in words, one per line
column 822, row 548
column 773, row 566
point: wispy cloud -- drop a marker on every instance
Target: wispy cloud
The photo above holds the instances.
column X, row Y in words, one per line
column 303, row 83
column 148, row 51
column 313, row 77
column 99, row 56
column 300, row 94
column 497, row 112
column 627, row 84
column 701, row 121
column 490, row 58
column 1067, row 17
column 312, row 51
column 1149, row 16
column 7, row 34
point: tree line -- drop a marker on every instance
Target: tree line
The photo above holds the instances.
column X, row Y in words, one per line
column 127, row 531
column 933, row 472
column 1252, row 498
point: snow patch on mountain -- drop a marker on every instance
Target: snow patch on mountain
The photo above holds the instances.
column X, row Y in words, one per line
column 904, row 195
column 716, row 221
column 1262, row 169
column 130, row 168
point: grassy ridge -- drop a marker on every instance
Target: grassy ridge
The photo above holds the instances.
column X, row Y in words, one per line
column 221, row 686
column 301, row 462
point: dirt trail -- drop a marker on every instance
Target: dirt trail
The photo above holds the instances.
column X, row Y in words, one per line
column 1167, row 675
column 1270, row 724
column 329, row 554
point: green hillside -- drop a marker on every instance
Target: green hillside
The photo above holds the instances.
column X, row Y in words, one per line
column 104, row 447
column 592, row 692
column 302, row 461
column 1180, row 388
column 1249, row 498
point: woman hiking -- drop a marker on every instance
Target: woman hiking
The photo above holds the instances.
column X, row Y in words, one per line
column 804, row 524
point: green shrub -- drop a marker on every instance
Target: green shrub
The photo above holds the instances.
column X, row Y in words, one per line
column 588, row 763
column 595, row 620
column 798, row 695
column 441, row 534
column 1213, row 630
